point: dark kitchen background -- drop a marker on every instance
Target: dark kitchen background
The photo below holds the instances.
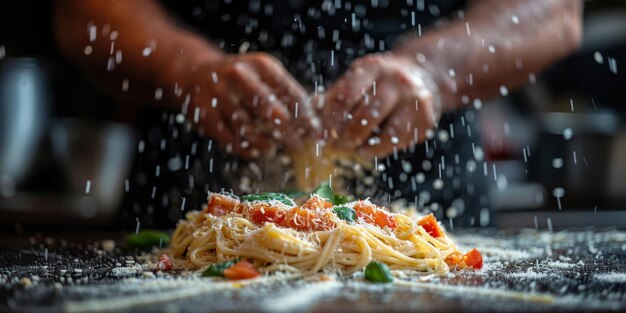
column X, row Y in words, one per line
column 554, row 152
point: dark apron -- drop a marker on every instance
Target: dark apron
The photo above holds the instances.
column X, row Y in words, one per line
column 316, row 40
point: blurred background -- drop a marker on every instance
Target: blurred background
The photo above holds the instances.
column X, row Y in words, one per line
column 553, row 153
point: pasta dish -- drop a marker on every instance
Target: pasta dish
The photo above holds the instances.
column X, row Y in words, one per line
column 273, row 233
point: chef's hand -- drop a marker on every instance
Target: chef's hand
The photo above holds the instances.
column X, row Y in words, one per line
column 381, row 103
column 247, row 103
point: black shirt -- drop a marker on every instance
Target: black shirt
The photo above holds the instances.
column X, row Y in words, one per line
column 315, row 39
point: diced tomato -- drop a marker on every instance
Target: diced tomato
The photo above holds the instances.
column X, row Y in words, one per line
column 317, row 203
column 220, row 205
column 431, row 226
column 241, row 270
column 374, row 215
column 473, row 259
column 165, row 263
column 297, row 218
column 454, row 258
column 303, row 219
column 266, row 213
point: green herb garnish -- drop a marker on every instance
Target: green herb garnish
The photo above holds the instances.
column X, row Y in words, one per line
column 340, row 199
column 325, row 191
column 378, row 272
column 269, row 196
column 294, row 194
column 217, row 269
column 147, row 239
column 345, row 213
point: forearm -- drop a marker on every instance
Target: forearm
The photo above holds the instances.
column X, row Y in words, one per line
column 497, row 43
column 131, row 47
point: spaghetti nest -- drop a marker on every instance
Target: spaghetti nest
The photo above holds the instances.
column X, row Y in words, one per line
column 276, row 235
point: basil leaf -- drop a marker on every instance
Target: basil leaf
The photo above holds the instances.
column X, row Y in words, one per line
column 345, row 213
column 148, row 238
column 293, row 194
column 378, row 272
column 269, row 196
column 341, row 199
column 217, row 269
column 324, row 190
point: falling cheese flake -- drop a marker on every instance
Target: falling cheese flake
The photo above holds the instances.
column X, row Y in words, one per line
column 613, row 65
column 597, row 56
column 504, row 91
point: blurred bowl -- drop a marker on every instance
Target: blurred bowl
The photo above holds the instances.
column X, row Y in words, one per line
column 97, row 157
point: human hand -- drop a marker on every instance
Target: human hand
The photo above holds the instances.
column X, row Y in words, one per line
column 247, row 103
column 381, row 103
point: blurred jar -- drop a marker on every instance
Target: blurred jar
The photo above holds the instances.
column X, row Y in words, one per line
column 24, row 106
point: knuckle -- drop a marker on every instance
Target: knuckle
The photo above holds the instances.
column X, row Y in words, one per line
column 264, row 59
column 237, row 70
column 265, row 62
column 401, row 76
column 374, row 59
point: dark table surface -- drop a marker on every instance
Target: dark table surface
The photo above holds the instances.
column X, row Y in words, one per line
column 527, row 270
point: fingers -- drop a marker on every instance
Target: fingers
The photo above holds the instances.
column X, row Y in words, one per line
column 370, row 113
column 229, row 124
column 361, row 77
column 241, row 142
column 358, row 79
column 254, row 94
column 261, row 101
column 211, row 123
column 392, row 115
column 256, row 103
column 345, row 94
column 272, row 72
column 246, row 134
column 288, row 92
column 392, row 136
column 406, row 126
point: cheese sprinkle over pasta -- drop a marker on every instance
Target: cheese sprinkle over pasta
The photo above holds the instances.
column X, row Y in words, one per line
column 277, row 235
